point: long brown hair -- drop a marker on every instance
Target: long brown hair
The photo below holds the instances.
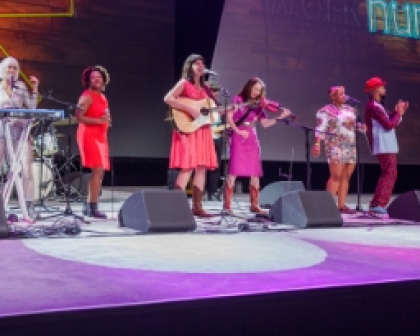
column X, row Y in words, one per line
column 246, row 90
column 187, row 70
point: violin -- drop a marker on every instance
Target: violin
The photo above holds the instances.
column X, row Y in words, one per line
column 274, row 107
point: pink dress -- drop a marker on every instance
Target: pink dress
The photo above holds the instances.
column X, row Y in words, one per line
column 245, row 154
column 189, row 151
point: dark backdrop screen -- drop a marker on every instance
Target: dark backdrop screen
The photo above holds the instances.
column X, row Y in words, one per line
column 133, row 39
column 302, row 47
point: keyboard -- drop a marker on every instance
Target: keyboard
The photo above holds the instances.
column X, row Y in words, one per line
column 32, row 114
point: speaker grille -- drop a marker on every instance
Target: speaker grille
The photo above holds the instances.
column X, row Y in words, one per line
column 157, row 210
column 167, row 209
column 307, row 209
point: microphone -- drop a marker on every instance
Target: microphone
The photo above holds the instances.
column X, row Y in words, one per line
column 108, row 113
column 210, row 72
column 352, row 100
column 12, row 82
column 14, row 86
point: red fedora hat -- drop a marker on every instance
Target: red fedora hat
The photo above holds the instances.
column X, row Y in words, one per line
column 373, row 83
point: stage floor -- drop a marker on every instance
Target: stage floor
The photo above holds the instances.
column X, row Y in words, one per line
column 106, row 266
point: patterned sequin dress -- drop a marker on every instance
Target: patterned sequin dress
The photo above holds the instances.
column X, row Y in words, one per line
column 340, row 126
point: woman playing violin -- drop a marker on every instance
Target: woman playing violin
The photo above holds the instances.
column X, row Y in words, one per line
column 245, row 159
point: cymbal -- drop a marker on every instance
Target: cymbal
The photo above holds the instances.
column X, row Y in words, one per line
column 65, row 122
column 60, row 135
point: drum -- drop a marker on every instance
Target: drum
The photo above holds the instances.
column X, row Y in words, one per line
column 48, row 143
column 47, row 179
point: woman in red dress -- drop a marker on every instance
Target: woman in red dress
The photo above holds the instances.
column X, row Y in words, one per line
column 194, row 151
column 94, row 119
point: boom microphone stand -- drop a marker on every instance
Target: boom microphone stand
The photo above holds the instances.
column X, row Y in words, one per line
column 307, row 130
column 68, row 212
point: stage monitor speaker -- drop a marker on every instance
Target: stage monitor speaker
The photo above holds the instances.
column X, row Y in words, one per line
column 271, row 192
column 406, row 206
column 4, row 228
column 157, row 211
column 306, row 209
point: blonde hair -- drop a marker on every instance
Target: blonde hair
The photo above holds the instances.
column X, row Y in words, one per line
column 4, row 64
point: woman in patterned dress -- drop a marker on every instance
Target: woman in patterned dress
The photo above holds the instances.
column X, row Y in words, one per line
column 194, row 151
column 245, row 158
column 339, row 122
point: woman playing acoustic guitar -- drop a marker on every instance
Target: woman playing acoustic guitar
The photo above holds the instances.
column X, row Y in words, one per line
column 192, row 151
column 245, row 158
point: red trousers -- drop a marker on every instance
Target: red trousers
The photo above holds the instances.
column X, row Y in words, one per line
column 385, row 184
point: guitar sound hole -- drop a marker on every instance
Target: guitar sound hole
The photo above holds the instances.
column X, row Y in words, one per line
column 204, row 111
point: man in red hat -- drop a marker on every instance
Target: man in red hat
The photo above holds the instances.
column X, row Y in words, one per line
column 383, row 141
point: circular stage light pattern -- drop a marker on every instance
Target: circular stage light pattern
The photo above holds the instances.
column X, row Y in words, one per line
column 188, row 253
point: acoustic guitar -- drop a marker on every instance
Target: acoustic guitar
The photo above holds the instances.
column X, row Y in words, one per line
column 185, row 123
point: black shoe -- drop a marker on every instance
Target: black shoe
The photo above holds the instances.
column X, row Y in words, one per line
column 91, row 210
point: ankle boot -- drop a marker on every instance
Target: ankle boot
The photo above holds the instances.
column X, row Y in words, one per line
column 254, row 195
column 228, row 197
column 197, row 207
column 91, row 210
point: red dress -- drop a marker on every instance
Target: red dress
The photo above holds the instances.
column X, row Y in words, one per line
column 93, row 138
column 189, row 151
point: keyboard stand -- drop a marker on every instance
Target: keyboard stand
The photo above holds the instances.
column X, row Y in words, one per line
column 15, row 158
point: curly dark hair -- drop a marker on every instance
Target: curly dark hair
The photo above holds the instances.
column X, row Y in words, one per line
column 187, row 70
column 88, row 71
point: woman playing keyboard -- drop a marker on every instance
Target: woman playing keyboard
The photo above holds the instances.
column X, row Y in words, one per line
column 15, row 94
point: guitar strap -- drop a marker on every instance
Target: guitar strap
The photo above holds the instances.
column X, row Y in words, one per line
column 211, row 96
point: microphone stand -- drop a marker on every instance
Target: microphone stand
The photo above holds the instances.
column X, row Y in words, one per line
column 358, row 164
column 224, row 213
column 68, row 212
column 359, row 208
column 307, row 131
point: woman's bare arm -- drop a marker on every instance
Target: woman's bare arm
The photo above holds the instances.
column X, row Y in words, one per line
column 171, row 99
column 82, row 107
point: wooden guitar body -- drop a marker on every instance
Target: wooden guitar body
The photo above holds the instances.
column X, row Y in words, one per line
column 184, row 123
